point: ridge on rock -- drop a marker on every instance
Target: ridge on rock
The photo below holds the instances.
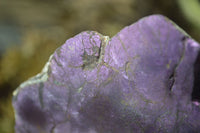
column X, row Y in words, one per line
column 140, row 80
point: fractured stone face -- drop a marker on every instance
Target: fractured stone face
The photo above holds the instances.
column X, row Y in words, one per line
column 140, row 80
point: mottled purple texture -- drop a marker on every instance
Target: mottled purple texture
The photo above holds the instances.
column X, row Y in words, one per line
column 139, row 81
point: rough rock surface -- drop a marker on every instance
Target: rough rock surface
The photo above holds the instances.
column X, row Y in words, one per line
column 140, row 80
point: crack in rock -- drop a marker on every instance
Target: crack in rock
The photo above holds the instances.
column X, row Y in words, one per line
column 173, row 75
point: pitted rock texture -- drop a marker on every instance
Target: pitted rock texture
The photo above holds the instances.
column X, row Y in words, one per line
column 139, row 81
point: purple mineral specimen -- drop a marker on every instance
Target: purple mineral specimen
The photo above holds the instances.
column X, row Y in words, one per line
column 139, row 81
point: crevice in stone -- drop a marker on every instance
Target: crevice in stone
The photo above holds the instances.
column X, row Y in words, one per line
column 173, row 74
column 196, row 82
column 127, row 67
column 178, row 115
column 171, row 81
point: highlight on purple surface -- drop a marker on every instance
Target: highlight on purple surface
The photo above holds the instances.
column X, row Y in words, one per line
column 145, row 79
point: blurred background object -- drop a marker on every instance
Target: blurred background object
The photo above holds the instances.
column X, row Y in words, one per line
column 30, row 30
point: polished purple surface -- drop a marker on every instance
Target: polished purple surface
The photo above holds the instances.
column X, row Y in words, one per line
column 139, row 81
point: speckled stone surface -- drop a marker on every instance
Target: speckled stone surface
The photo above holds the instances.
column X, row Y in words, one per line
column 139, row 81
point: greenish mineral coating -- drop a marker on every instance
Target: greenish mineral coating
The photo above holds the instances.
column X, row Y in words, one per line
column 139, row 81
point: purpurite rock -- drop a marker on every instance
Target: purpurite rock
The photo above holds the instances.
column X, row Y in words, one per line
column 140, row 80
